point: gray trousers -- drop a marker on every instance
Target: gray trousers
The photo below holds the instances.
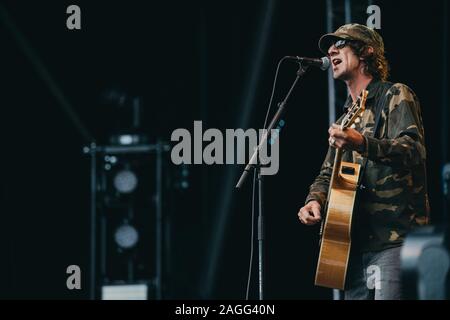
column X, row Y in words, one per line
column 374, row 276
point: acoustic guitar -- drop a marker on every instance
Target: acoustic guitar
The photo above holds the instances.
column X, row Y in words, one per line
column 335, row 243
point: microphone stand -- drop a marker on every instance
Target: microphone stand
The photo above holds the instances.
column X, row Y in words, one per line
column 446, row 192
column 255, row 164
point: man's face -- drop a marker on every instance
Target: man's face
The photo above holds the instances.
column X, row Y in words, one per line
column 344, row 62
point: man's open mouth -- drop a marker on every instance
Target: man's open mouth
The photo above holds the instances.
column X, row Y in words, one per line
column 336, row 61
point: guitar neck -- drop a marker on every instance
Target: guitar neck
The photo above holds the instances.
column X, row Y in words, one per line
column 336, row 165
column 334, row 176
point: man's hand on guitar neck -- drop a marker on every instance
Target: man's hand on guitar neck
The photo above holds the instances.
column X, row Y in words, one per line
column 348, row 138
column 310, row 213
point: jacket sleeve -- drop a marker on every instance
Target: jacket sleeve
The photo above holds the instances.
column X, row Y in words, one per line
column 403, row 141
column 319, row 189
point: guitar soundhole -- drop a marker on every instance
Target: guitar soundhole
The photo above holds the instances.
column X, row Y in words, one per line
column 348, row 170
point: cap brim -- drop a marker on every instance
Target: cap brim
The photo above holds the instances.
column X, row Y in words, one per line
column 327, row 40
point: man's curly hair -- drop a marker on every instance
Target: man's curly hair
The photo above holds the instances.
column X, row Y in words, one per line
column 376, row 63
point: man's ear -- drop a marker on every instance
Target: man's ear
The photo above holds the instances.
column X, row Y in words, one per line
column 367, row 52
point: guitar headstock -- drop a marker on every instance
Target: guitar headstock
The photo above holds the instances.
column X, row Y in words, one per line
column 355, row 110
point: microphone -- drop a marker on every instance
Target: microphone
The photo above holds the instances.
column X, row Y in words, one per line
column 323, row 63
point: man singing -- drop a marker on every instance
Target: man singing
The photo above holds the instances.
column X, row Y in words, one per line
column 394, row 197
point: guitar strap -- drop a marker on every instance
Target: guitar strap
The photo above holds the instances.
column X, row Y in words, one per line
column 378, row 109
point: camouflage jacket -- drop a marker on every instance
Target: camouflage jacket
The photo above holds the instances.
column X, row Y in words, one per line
column 395, row 197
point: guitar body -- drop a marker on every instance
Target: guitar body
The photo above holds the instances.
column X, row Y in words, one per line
column 336, row 240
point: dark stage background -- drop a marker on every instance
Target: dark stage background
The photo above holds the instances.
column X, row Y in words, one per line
column 189, row 60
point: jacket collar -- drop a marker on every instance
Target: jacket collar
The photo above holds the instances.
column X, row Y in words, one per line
column 372, row 87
